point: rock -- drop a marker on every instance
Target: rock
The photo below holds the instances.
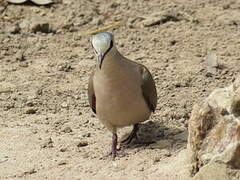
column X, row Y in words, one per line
column 62, row 162
column 212, row 64
column 30, row 171
column 31, row 111
column 63, row 149
column 88, row 134
column 38, row 25
column 13, row 29
column 158, row 18
column 48, row 143
column 67, row 129
column 231, row 156
column 20, row 56
column 23, row 64
column 212, row 171
column 82, row 143
column 64, row 105
column 66, row 67
column 24, row 24
column 214, row 131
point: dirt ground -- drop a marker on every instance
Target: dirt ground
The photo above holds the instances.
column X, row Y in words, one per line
column 48, row 131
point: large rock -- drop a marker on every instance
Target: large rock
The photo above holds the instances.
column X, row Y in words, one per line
column 214, row 135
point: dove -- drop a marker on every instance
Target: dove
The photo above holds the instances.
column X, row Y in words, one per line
column 121, row 92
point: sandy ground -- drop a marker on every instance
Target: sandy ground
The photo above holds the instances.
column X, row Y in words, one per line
column 48, row 131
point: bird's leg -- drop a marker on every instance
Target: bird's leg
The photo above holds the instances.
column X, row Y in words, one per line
column 114, row 151
column 132, row 135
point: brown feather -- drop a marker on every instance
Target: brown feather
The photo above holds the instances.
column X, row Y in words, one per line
column 91, row 94
column 148, row 88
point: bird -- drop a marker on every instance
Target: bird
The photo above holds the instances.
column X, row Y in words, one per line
column 121, row 92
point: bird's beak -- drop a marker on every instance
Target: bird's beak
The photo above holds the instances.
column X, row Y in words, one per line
column 100, row 59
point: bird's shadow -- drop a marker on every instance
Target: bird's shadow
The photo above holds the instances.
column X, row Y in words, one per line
column 151, row 133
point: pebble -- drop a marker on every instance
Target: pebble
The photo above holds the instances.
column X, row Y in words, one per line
column 64, row 105
column 40, row 26
column 67, row 129
column 86, row 134
column 13, row 29
column 82, row 143
column 31, row 111
column 212, row 64
column 62, row 162
column 30, row 171
column 20, row 56
column 63, row 149
column 48, row 143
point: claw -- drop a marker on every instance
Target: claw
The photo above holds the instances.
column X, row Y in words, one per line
column 132, row 135
column 114, row 152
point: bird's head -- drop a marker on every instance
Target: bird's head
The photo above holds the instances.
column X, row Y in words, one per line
column 102, row 44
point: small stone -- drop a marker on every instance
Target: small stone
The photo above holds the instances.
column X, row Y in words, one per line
column 86, row 134
column 82, row 143
column 39, row 92
column 226, row 6
column 13, row 29
column 64, row 105
column 30, row 171
column 67, row 129
column 235, row 106
column 157, row 19
column 212, row 64
column 140, row 168
column 29, row 104
column 24, row 24
column 31, row 111
column 47, row 144
column 23, row 64
column 156, row 159
column 166, row 153
column 68, row 25
column 65, row 67
column 20, row 56
column 40, row 26
column 85, row 155
column 63, row 149
column 34, row 131
column 62, row 162
column 97, row 21
column 172, row 42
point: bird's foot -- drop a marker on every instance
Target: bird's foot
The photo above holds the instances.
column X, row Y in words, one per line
column 132, row 135
column 114, row 154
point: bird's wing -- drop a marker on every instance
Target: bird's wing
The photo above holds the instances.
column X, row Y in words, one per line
column 91, row 94
column 148, row 88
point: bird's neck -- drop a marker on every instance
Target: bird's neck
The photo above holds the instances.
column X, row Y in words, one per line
column 112, row 62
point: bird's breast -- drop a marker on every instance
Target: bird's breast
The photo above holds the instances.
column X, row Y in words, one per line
column 119, row 98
